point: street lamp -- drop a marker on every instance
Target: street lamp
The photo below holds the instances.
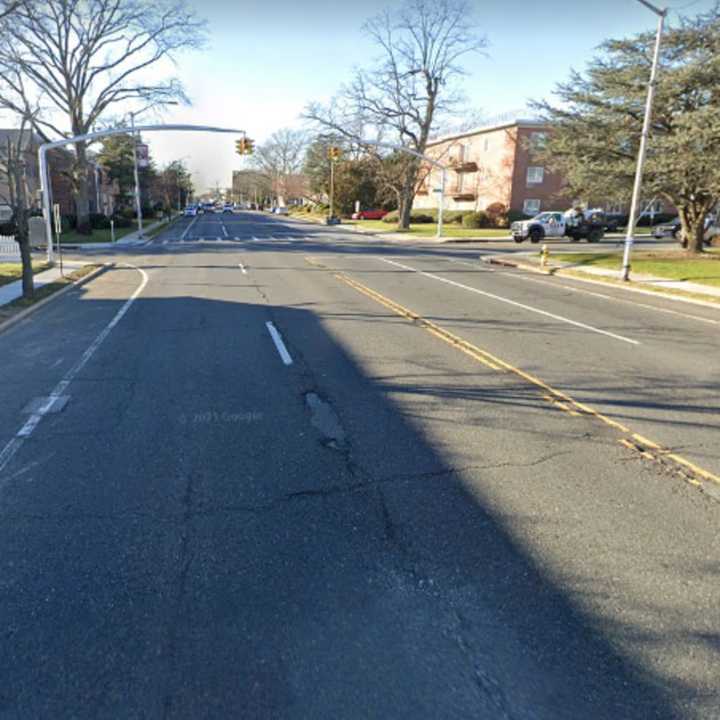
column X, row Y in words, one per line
column 629, row 237
column 138, row 204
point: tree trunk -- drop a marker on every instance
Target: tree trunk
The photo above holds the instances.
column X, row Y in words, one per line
column 692, row 227
column 407, row 195
column 80, row 181
column 28, row 282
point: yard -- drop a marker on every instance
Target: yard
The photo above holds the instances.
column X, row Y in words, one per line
column 704, row 269
column 71, row 237
column 430, row 229
column 9, row 272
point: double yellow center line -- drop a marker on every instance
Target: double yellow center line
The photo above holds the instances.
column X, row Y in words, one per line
column 647, row 448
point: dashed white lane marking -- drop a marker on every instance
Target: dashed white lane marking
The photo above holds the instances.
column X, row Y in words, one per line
column 187, row 229
column 562, row 286
column 242, row 269
column 58, row 391
column 279, row 344
column 500, row 298
column 224, row 229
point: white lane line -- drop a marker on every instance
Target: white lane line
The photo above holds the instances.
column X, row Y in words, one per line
column 187, row 229
column 279, row 344
column 225, row 232
column 527, row 278
column 620, row 300
column 242, row 269
column 500, row 298
column 32, row 422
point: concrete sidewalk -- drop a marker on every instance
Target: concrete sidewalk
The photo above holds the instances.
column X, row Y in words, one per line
column 13, row 291
column 638, row 282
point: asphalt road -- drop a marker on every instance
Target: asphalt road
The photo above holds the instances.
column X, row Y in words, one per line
column 264, row 469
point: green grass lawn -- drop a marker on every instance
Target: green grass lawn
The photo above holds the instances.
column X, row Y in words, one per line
column 673, row 266
column 9, row 272
column 98, row 236
column 429, row 229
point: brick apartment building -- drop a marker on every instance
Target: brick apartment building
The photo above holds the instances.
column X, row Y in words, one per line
column 101, row 191
column 490, row 165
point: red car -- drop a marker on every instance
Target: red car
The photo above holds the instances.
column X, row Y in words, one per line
column 370, row 215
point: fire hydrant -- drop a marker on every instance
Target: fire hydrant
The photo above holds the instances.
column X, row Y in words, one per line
column 544, row 253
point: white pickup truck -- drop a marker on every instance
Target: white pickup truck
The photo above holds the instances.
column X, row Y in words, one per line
column 574, row 224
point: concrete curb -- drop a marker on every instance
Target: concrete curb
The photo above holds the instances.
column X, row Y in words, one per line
column 7, row 324
column 576, row 275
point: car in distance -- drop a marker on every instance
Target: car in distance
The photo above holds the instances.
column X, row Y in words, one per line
column 673, row 229
column 369, row 215
column 281, row 210
column 227, row 208
column 190, row 211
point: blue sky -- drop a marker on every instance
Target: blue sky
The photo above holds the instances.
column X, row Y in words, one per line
column 266, row 60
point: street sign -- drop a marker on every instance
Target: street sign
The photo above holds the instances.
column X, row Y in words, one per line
column 143, row 155
column 57, row 218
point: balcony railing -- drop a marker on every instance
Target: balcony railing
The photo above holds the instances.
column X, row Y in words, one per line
column 463, row 167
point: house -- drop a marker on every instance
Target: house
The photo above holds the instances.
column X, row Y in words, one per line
column 493, row 164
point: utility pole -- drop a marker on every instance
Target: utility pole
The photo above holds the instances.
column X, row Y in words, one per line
column 138, row 207
column 632, row 220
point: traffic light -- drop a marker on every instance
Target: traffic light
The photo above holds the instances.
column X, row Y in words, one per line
column 244, row 146
column 334, row 152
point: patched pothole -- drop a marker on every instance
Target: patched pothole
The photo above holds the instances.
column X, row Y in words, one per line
column 325, row 420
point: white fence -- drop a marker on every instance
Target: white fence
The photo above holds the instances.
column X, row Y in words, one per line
column 9, row 249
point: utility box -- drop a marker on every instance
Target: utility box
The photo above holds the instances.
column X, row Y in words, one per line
column 36, row 230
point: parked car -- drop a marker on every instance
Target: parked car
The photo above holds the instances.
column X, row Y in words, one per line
column 280, row 211
column 673, row 229
column 369, row 215
column 227, row 208
column 191, row 211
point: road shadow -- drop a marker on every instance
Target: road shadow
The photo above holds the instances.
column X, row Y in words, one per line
column 192, row 543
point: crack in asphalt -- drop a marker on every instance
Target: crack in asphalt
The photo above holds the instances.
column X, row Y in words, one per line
column 187, row 513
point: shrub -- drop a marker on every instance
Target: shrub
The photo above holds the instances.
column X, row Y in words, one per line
column 68, row 222
column 415, row 217
column 121, row 221
column 98, row 221
column 515, row 215
column 476, row 220
column 497, row 213
column 127, row 212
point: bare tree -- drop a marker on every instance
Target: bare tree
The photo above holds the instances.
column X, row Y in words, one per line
column 410, row 88
column 281, row 159
column 80, row 58
column 15, row 194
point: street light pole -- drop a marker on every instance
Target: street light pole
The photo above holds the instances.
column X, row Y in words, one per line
column 138, row 206
column 629, row 238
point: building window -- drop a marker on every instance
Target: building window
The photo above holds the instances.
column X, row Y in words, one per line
column 531, row 207
column 535, row 175
column 538, row 140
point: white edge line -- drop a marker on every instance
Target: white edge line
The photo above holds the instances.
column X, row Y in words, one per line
column 668, row 311
column 513, row 302
column 192, row 222
column 32, row 422
column 279, row 344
